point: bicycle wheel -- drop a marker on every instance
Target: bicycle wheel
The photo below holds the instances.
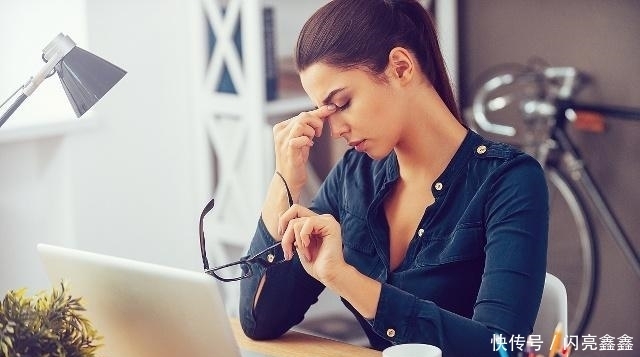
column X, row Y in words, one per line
column 572, row 253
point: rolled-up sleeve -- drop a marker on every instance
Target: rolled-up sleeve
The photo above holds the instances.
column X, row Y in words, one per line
column 286, row 295
column 288, row 291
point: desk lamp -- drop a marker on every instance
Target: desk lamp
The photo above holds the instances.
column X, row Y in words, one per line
column 85, row 77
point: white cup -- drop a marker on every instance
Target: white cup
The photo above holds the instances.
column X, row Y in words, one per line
column 412, row 350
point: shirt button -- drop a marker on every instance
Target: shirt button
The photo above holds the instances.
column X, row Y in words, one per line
column 391, row 332
column 420, row 232
column 271, row 258
column 438, row 186
column 481, row 149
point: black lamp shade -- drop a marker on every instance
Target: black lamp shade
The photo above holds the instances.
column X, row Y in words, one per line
column 86, row 78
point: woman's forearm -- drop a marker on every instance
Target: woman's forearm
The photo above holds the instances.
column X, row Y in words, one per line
column 275, row 203
column 358, row 289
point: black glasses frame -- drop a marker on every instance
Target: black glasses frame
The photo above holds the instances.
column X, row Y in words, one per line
column 245, row 263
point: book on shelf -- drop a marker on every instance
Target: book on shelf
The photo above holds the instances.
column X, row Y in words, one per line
column 270, row 54
column 225, row 84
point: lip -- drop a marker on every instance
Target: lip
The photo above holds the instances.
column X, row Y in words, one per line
column 358, row 145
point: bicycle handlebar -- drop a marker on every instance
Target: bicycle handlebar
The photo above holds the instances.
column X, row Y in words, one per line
column 478, row 108
column 560, row 83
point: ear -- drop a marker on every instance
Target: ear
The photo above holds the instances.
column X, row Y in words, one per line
column 401, row 64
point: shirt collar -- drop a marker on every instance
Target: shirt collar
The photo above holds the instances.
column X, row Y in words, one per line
column 458, row 162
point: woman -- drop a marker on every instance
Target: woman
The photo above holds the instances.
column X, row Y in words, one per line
column 428, row 232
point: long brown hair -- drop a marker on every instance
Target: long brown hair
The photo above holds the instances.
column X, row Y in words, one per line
column 361, row 33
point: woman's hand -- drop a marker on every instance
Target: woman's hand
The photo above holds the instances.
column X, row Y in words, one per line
column 293, row 138
column 316, row 238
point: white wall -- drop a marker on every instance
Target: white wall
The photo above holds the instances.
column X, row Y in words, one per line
column 34, row 207
column 135, row 173
column 126, row 185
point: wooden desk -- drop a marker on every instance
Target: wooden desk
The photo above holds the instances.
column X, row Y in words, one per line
column 296, row 344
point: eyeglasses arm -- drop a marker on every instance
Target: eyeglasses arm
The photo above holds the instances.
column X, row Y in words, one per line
column 203, row 251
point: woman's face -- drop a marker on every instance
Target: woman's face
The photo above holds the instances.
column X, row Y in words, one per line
column 369, row 114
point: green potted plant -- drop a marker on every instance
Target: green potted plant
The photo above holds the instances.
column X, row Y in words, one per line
column 47, row 324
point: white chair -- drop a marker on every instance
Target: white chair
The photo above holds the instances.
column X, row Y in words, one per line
column 553, row 309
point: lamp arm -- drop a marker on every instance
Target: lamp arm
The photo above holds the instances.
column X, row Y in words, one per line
column 53, row 53
column 42, row 74
column 12, row 108
column 28, row 88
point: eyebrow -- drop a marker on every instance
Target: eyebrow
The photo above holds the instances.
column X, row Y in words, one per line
column 331, row 94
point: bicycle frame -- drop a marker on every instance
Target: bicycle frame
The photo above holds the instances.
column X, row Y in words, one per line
column 560, row 84
column 545, row 104
column 580, row 174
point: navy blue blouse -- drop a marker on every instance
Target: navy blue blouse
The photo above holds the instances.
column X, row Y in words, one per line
column 474, row 268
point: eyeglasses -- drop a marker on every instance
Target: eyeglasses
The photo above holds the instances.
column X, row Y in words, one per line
column 240, row 269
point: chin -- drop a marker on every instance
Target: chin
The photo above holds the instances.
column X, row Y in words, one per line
column 378, row 154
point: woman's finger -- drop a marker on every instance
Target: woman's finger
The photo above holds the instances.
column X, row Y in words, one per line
column 324, row 110
column 307, row 228
column 300, row 128
column 292, row 240
column 293, row 212
column 288, row 239
column 313, row 119
column 322, row 113
column 301, row 247
column 300, row 142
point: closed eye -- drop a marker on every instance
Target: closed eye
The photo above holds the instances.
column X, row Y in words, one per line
column 344, row 106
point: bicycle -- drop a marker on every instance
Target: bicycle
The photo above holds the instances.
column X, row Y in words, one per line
column 543, row 98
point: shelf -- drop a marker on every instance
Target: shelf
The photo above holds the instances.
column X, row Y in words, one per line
column 17, row 132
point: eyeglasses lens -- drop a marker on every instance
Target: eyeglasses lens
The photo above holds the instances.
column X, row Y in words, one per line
column 233, row 272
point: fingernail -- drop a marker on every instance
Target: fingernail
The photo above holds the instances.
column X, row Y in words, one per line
column 331, row 106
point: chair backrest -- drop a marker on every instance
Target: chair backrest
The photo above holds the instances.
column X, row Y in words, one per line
column 553, row 309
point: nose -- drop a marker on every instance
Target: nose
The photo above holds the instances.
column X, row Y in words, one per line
column 338, row 126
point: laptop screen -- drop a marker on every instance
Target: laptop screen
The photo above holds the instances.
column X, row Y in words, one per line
column 144, row 309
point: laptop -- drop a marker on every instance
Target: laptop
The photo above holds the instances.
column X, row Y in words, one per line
column 144, row 309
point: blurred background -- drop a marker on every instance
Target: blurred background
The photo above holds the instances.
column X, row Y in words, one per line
column 192, row 118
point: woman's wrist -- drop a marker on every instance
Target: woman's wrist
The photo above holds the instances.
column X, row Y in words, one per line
column 358, row 289
column 336, row 277
column 290, row 184
column 276, row 202
column 286, row 186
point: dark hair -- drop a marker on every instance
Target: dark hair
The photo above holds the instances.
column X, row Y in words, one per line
column 361, row 33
